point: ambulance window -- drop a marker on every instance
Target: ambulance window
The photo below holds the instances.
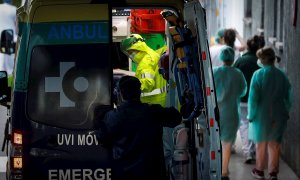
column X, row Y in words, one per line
column 67, row 83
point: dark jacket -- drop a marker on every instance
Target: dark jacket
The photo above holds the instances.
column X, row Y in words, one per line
column 247, row 63
column 134, row 131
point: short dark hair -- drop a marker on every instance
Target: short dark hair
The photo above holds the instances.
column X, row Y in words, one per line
column 130, row 87
column 254, row 43
column 229, row 37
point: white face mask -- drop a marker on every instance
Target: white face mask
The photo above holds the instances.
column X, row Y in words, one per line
column 132, row 55
column 259, row 63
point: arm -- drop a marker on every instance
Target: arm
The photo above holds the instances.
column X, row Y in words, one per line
column 243, row 83
column 237, row 63
column 168, row 117
column 123, row 72
column 253, row 98
column 241, row 40
column 109, row 127
column 146, row 74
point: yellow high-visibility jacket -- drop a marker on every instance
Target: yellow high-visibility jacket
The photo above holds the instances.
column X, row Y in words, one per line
column 154, row 86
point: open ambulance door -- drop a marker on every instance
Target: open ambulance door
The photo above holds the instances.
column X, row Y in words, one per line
column 191, row 80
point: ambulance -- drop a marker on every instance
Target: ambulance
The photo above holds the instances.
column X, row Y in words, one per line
column 65, row 54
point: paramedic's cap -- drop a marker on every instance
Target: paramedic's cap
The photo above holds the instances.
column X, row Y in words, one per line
column 219, row 35
column 227, row 54
column 129, row 41
column 130, row 87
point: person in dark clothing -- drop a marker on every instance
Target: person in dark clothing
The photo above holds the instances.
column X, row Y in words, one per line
column 247, row 63
column 134, row 130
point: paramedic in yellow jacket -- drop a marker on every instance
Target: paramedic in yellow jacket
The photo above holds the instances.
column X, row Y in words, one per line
column 153, row 85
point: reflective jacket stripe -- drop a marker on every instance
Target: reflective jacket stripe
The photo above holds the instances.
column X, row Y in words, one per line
column 155, row 91
column 147, row 75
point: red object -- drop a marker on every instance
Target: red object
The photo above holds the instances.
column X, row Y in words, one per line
column 213, row 155
column 163, row 65
column 211, row 122
column 208, row 91
column 203, row 56
column 147, row 21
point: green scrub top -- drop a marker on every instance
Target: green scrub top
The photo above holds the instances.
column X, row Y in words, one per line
column 230, row 87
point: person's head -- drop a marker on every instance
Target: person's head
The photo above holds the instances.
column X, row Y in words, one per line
column 253, row 44
column 227, row 55
column 134, row 47
column 129, row 88
column 266, row 56
column 219, row 38
column 229, row 37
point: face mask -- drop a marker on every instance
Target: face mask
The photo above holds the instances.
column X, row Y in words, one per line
column 137, row 57
column 259, row 63
column 132, row 55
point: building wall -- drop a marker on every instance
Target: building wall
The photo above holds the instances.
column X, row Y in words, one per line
column 234, row 14
column 223, row 14
column 291, row 57
column 212, row 28
column 278, row 28
column 257, row 17
column 269, row 18
column 247, row 19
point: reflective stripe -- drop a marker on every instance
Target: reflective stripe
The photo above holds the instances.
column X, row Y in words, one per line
column 155, row 92
column 147, row 75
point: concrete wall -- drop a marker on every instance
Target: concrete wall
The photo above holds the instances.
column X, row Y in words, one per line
column 291, row 58
column 247, row 19
column 223, row 14
column 212, row 28
column 278, row 24
column 234, row 14
column 257, row 16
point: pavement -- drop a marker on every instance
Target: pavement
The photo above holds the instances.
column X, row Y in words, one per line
column 241, row 171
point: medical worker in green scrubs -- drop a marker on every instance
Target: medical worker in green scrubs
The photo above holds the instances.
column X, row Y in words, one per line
column 269, row 104
column 230, row 87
